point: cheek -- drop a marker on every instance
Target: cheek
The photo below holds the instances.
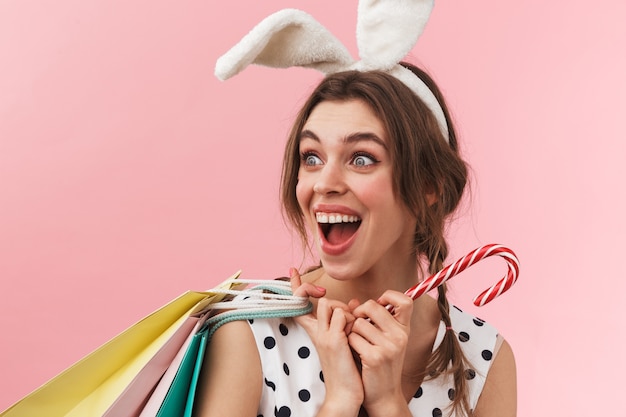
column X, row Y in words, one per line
column 304, row 194
column 376, row 192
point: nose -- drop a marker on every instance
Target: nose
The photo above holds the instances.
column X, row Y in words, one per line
column 330, row 180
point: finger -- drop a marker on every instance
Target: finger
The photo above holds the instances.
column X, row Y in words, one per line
column 325, row 309
column 295, row 280
column 304, row 289
column 375, row 323
column 323, row 313
column 354, row 303
column 358, row 343
column 307, row 321
column 402, row 305
column 338, row 320
column 373, row 312
column 370, row 332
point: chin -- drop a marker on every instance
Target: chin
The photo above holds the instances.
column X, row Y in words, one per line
column 340, row 271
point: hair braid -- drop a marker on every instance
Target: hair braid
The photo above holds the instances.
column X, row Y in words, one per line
column 448, row 358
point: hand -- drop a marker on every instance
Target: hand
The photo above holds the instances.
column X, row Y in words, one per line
column 329, row 328
column 380, row 339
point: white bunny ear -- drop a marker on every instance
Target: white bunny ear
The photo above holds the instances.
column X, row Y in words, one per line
column 284, row 39
column 388, row 29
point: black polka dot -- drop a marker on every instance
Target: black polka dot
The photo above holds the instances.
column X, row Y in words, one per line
column 260, row 415
column 304, row 395
column 269, row 342
column 304, row 352
column 437, row 412
column 283, row 329
column 270, row 384
column 479, row 322
column 286, row 369
column 487, row 355
column 418, row 393
column 470, row 374
column 451, row 394
column 464, row 337
column 282, row 412
column 321, row 376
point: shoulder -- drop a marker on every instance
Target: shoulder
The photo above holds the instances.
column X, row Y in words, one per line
column 231, row 359
column 499, row 396
column 492, row 358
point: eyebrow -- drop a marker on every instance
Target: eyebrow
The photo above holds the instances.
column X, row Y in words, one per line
column 351, row 138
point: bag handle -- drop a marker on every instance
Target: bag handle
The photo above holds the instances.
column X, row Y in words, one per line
column 267, row 299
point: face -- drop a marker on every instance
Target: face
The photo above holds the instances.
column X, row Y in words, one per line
column 345, row 190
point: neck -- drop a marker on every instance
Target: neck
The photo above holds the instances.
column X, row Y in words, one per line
column 369, row 285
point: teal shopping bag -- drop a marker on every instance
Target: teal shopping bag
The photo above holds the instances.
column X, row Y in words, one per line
column 180, row 397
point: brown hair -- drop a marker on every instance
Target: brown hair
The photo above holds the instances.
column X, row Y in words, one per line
column 423, row 162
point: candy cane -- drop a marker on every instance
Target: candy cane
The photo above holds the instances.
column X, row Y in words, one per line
column 468, row 260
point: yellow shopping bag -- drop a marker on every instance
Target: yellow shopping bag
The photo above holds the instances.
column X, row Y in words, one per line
column 109, row 378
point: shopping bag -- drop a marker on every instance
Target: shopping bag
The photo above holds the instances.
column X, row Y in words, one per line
column 266, row 299
column 95, row 383
column 136, row 394
column 180, row 397
column 157, row 397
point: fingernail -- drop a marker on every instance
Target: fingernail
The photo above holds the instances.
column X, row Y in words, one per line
column 320, row 288
column 291, row 272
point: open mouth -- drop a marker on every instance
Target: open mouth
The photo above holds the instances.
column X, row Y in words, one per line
column 337, row 228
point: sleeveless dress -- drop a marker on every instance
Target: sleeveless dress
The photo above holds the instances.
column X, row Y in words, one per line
column 294, row 383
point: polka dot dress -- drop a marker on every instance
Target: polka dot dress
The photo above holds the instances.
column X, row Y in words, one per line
column 294, row 383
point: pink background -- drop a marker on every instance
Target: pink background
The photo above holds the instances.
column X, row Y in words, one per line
column 129, row 174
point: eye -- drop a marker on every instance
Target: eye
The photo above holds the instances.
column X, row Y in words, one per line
column 310, row 159
column 363, row 160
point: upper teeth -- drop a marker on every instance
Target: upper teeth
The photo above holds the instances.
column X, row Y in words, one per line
column 335, row 218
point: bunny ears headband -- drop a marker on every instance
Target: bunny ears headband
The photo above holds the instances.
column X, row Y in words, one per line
column 386, row 31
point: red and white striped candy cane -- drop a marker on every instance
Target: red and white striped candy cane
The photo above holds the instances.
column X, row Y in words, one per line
column 465, row 262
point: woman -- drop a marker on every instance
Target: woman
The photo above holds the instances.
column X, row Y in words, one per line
column 370, row 175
